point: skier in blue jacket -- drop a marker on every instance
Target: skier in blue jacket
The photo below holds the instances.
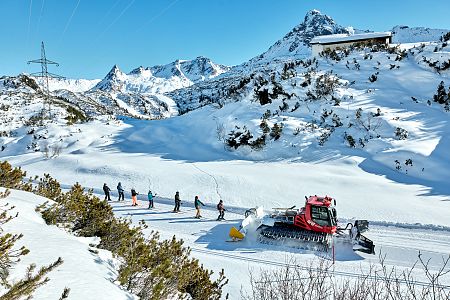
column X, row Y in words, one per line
column 150, row 199
column 197, row 204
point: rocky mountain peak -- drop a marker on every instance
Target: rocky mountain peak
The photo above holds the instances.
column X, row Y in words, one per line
column 296, row 42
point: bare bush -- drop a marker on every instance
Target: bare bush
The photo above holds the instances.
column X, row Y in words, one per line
column 56, row 150
column 319, row 281
column 220, row 131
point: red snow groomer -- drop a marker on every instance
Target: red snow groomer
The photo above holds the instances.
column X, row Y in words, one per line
column 312, row 226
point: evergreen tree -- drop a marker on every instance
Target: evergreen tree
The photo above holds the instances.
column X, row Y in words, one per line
column 12, row 178
column 441, row 95
column 276, row 131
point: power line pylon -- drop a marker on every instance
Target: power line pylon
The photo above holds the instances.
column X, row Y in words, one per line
column 44, row 74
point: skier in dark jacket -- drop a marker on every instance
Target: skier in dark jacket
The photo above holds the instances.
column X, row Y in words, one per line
column 177, row 202
column 150, row 199
column 106, row 189
column 120, row 190
column 197, row 204
column 221, row 209
column 134, row 197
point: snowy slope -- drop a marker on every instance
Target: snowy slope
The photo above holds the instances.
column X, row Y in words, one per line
column 88, row 275
column 73, row 85
column 405, row 34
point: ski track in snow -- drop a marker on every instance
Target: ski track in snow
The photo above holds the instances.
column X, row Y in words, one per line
column 236, row 210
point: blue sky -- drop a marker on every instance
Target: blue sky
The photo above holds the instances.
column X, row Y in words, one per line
column 87, row 37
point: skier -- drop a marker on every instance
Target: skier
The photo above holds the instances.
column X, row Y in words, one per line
column 221, row 210
column 134, row 197
column 120, row 191
column 177, row 202
column 150, row 199
column 106, row 189
column 197, row 204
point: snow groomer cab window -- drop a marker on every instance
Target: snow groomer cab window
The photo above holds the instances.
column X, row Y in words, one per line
column 321, row 216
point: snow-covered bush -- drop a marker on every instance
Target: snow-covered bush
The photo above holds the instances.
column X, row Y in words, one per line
column 323, row 138
column 336, row 55
column 264, row 126
column 258, row 143
column 288, row 71
column 437, row 65
column 445, row 37
column 265, row 91
column 238, row 137
column 325, row 85
column 262, row 95
column 401, row 134
column 373, row 77
column 36, row 120
column 350, row 140
column 284, row 107
column 336, row 120
column 74, row 116
column 276, row 131
column 442, row 96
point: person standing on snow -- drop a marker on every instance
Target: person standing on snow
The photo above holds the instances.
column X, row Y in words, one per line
column 221, row 209
column 197, row 204
column 106, row 189
column 177, row 202
column 120, row 190
column 150, row 199
column 134, row 197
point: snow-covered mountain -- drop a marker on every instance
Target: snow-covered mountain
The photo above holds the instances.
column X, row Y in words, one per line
column 405, row 34
column 160, row 79
column 74, row 85
column 296, row 42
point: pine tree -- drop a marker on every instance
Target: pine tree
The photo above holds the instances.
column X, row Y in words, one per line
column 276, row 131
column 441, row 95
column 12, row 178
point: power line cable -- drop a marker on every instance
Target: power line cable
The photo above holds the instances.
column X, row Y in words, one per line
column 109, row 12
column 70, row 19
column 40, row 16
column 116, row 19
column 29, row 21
column 157, row 16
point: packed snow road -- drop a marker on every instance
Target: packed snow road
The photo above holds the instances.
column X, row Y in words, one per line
column 209, row 241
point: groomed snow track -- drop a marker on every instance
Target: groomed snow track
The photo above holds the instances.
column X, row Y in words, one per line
column 267, row 262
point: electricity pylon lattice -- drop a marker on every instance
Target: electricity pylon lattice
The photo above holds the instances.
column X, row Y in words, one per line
column 44, row 75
